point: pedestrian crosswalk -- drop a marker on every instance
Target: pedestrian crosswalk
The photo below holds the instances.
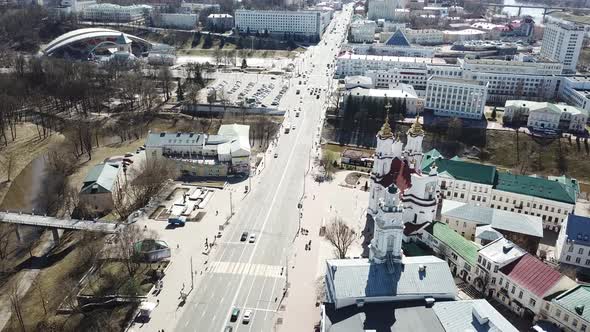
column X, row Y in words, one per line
column 262, row 270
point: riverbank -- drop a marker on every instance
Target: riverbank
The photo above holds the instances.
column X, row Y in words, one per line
column 23, row 150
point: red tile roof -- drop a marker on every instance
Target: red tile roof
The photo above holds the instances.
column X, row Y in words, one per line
column 399, row 174
column 532, row 274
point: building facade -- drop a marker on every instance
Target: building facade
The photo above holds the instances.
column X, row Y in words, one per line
column 575, row 91
column 543, row 115
column 562, row 42
column 573, row 242
column 384, row 9
column 456, row 97
column 404, row 94
column 308, row 24
column 569, row 311
column 106, row 12
column 220, row 22
column 354, row 64
column 425, row 36
column 178, row 21
column 362, row 31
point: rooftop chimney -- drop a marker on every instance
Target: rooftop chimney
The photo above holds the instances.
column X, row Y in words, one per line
column 480, row 315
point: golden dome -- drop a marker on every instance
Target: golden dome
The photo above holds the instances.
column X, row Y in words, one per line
column 416, row 129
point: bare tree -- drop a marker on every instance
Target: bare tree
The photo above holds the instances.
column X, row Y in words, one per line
column 328, row 163
column 8, row 164
column 37, row 284
column 16, row 304
column 125, row 247
column 142, row 186
column 340, row 236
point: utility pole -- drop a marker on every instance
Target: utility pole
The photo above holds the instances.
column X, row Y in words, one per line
column 231, row 206
column 192, row 274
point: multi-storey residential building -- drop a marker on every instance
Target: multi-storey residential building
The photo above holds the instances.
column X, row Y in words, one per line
column 543, row 115
column 107, row 12
column 353, row 64
column 386, row 79
column 470, row 220
column 362, row 31
column 456, row 97
column 223, row 154
column 460, row 253
column 568, row 310
column 300, row 23
column 562, row 42
column 483, row 185
column 573, row 242
column 384, row 9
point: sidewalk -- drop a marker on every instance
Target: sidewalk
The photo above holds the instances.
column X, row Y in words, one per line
column 307, row 268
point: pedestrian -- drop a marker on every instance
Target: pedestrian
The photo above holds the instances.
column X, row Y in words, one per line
column 177, row 246
column 183, row 285
column 158, row 302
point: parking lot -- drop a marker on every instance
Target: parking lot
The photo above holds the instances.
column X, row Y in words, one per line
column 253, row 90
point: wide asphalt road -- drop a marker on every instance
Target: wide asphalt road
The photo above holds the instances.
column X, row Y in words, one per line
column 252, row 275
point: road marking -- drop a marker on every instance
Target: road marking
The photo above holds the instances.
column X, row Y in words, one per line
column 270, row 208
column 259, row 270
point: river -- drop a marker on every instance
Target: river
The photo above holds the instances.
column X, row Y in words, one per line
column 537, row 14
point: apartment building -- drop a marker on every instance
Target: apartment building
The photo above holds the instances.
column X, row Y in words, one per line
column 310, row 24
column 562, row 42
column 362, row 31
column 483, row 185
column 546, row 116
column 573, row 242
column 107, row 12
column 354, row 64
column 456, row 97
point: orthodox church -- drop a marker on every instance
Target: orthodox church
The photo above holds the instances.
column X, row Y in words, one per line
column 402, row 200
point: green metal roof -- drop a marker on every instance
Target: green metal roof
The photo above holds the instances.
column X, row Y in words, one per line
column 466, row 171
column 429, row 157
column 538, row 187
column 460, row 245
column 576, row 297
column 567, row 181
column 102, row 177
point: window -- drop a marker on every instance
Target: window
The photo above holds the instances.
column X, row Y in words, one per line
column 493, row 280
column 532, row 302
column 513, row 289
column 489, row 266
column 500, row 282
column 581, row 251
column 588, row 262
column 520, row 295
column 577, row 260
column 495, row 268
column 479, row 259
column 557, row 313
column 583, row 328
column 568, row 258
column 547, row 306
column 575, row 322
column 566, row 317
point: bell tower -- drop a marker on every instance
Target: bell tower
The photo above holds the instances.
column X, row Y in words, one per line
column 386, row 245
column 382, row 159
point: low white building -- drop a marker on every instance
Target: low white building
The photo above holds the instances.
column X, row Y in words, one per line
column 456, row 97
column 543, row 115
column 177, row 21
column 108, row 12
column 452, row 36
column 573, row 242
column 385, row 79
column 575, row 91
column 403, row 93
column 362, row 31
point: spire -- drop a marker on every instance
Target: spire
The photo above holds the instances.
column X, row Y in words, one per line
column 385, row 131
column 416, row 129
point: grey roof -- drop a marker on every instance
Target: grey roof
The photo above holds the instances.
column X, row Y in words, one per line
column 101, row 175
column 499, row 219
column 502, row 251
column 359, row 278
column 174, row 139
column 487, row 233
column 460, row 316
column 578, row 229
column 382, row 317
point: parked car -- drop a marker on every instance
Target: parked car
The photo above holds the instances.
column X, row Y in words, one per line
column 235, row 313
column 244, row 236
column 252, row 238
column 247, row 316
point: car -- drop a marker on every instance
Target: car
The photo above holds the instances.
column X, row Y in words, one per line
column 128, row 154
column 276, row 155
column 297, row 114
column 252, row 238
column 127, row 160
column 244, row 236
column 247, row 316
column 293, row 128
column 235, row 313
column 228, row 329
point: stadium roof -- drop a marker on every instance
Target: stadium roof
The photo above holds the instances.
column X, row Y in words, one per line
column 87, row 33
